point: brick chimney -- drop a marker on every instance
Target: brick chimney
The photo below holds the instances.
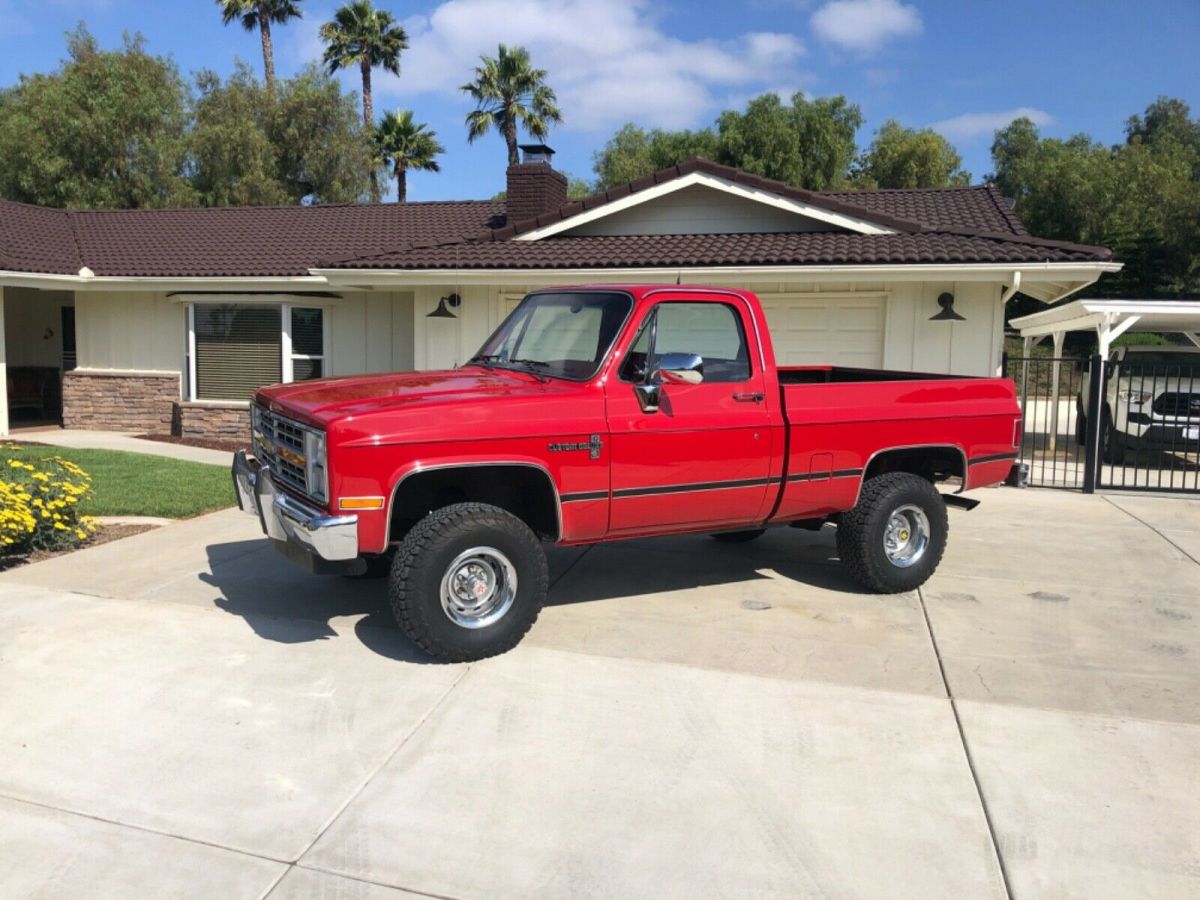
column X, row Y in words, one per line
column 533, row 186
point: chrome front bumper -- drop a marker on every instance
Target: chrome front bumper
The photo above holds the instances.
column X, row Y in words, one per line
column 311, row 537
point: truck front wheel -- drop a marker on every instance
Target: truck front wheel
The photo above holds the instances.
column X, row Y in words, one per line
column 468, row 582
column 894, row 537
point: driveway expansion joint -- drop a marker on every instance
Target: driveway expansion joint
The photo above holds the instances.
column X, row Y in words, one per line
column 1138, row 518
column 962, row 737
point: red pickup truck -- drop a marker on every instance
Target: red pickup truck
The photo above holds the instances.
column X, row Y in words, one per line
column 606, row 412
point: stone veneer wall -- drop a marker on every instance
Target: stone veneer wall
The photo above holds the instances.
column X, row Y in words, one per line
column 119, row 401
column 212, row 421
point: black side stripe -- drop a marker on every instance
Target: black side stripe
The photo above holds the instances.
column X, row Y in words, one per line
column 584, row 495
column 689, row 488
column 995, row 457
column 705, row 486
column 825, row 476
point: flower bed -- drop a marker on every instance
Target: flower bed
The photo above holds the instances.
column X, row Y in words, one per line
column 39, row 506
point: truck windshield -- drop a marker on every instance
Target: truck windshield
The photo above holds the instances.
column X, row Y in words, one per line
column 561, row 335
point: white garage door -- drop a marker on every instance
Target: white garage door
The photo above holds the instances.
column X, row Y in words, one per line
column 814, row 331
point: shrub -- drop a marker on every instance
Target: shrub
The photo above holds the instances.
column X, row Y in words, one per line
column 39, row 505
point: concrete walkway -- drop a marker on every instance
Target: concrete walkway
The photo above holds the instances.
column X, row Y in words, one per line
column 184, row 713
column 115, row 440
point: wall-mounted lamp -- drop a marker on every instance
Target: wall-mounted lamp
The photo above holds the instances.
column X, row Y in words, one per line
column 453, row 300
column 947, row 314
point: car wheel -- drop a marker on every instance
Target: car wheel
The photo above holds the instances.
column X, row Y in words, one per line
column 894, row 537
column 468, row 582
column 738, row 537
column 1113, row 446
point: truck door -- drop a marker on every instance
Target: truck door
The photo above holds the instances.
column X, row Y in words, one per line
column 690, row 454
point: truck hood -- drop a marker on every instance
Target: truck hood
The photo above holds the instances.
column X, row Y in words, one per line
column 322, row 400
column 456, row 404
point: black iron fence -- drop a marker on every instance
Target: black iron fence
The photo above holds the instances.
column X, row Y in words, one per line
column 1135, row 427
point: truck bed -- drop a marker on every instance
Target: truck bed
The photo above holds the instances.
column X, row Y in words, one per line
column 838, row 419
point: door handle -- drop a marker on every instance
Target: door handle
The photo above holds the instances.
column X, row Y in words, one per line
column 748, row 397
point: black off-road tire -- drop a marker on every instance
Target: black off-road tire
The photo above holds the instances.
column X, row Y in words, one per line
column 860, row 533
column 414, row 586
column 738, row 537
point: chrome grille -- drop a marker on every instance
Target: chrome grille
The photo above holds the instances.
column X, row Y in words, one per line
column 273, row 437
column 1178, row 404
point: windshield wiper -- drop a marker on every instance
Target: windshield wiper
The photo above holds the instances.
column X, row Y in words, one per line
column 498, row 361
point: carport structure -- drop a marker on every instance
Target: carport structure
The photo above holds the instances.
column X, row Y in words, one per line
column 1109, row 319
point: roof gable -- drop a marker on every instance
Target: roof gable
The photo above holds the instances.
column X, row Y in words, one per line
column 707, row 202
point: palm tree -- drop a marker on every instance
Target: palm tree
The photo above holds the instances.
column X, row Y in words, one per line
column 508, row 92
column 360, row 33
column 260, row 14
column 404, row 144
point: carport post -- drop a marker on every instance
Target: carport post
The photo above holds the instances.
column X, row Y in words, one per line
column 1091, row 450
column 1059, row 337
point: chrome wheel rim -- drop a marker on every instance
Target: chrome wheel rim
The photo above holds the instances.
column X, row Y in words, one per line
column 478, row 587
column 906, row 536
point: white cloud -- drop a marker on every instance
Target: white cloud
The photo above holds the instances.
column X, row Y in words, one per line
column 865, row 25
column 608, row 62
column 973, row 125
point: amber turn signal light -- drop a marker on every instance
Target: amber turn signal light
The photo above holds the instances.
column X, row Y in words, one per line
column 360, row 503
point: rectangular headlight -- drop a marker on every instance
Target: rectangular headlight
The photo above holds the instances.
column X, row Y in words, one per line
column 315, row 474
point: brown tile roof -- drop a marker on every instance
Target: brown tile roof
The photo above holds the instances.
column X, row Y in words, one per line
column 792, row 249
column 978, row 208
column 36, row 239
column 236, row 242
column 948, row 225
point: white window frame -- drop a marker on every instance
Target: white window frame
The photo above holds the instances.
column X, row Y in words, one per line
column 285, row 305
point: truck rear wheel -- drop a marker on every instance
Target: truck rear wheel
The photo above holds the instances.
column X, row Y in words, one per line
column 468, row 582
column 894, row 537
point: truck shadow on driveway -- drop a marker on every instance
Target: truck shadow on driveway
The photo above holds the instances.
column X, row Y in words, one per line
column 666, row 565
column 282, row 603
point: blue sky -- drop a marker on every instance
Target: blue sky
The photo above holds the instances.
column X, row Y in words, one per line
column 964, row 68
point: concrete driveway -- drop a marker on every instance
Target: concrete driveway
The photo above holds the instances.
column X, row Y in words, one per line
column 184, row 714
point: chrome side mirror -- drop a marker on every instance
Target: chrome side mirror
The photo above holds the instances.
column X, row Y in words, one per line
column 679, row 368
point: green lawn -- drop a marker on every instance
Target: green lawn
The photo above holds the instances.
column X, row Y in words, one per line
column 136, row 484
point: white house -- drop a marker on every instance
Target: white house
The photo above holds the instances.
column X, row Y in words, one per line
column 165, row 320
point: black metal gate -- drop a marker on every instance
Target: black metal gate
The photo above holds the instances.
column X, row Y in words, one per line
column 1135, row 427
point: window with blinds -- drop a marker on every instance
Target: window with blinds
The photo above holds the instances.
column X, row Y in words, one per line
column 239, row 348
column 308, row 342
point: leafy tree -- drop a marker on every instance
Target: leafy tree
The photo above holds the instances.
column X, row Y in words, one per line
column 1140, row 198
column 809, row 144
column 369, row 37
column 902, row 157
column 233, row 160
column 632, row 152
column 108, row 129
column 404, row 144
column 250, row 147
column 325, row 153
column 509, row 93
column 261, row 14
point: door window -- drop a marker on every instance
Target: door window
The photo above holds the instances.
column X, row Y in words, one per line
column 711, row 330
